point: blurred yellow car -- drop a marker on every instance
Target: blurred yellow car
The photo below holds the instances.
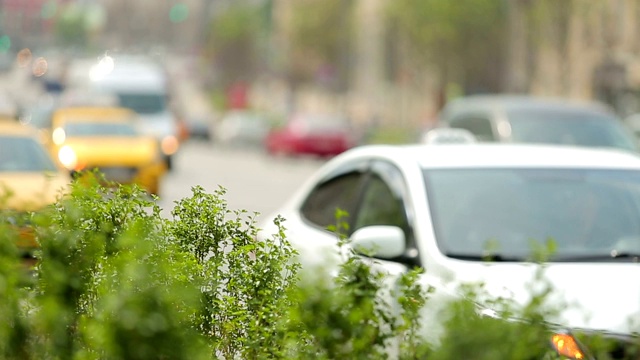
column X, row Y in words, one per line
column 106, row 139
column 29, row 178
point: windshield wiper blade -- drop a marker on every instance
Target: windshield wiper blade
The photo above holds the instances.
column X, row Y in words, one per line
column 485, row 257
column 613, row 256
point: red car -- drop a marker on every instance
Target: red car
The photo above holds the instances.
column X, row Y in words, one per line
column 322, row 135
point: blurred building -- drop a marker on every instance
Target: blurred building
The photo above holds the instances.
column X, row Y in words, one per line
column 28, row 21
column 591, row 51
column 572, row 48
column 170, row 23
column 121, row 23
column 379, row 87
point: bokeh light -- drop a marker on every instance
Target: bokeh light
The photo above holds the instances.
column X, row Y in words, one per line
column 102, row 68
column 24, row 57
column 48, row 9
column 5, row 43
column 40, row 67
column 59, row 136
column 178, row 13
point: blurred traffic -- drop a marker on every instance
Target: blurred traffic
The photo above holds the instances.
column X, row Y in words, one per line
column 232, row 77
column 163, row 100
column 107, row 139
column 263, row 97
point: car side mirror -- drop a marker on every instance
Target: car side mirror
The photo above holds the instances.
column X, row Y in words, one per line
column 380, row 241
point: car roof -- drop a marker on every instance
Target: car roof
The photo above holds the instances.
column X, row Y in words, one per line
column 94, row 112
column 14, row 128
column 491, row 155
column 7, row 118
column 511, row 103
column 133, row 75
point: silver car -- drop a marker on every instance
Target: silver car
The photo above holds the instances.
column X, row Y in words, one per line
column 242, row 128
column 528, row 119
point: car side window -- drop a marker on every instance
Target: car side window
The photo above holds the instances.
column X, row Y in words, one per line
column 382, row 200
column 341, row 192
column 478, row 125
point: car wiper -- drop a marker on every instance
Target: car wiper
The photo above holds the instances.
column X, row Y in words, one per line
column 612, row 256
column 485, row 257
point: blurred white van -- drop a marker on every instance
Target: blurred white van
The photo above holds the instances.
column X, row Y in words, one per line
column 141, row 85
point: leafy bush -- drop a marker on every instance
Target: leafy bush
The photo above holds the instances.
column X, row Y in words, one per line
column 116, row 280
column 246, row 282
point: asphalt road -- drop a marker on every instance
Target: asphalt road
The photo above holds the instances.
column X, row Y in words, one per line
column 254, row 180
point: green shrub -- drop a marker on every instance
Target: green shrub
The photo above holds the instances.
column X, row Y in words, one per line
column 14, row 328
column 349, row 316
column 116, row 280
column 109, row 284
column 247, row 282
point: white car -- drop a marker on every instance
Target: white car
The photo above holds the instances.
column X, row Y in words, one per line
column 436, row 206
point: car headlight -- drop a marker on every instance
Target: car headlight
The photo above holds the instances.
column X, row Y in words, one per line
column 566, row 345
column 58, row 136
column 169, row 145
column 562, row 342
column 68, row 157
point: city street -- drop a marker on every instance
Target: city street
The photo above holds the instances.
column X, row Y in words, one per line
column 254, row 180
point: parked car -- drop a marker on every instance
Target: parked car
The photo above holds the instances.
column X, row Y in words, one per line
column 198, row 126
column 467, row 213
column 313, row 134
column 107, row 139
column 29, row 178
column 241, row 128
column 528, row 119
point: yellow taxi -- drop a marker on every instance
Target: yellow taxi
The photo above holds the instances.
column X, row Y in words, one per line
column 106, row 139
column 29, row 178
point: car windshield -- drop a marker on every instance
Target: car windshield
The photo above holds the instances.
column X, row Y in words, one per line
column 23, row 154
column 143, row 103
column 570, row 128
column 505, row 212
column 73, row 129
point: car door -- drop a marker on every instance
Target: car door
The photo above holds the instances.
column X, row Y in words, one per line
column 385, row 201
column 478, row 124
column 340, row 189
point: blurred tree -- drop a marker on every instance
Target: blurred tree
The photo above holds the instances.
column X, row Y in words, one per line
column 548, row 27
column 321, row 42
column 71, row 26
column 232, row 43
column 465, row 40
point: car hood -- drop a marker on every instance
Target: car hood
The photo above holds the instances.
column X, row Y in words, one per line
column 114, row 151
column 595, row 296
column 31, row 191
